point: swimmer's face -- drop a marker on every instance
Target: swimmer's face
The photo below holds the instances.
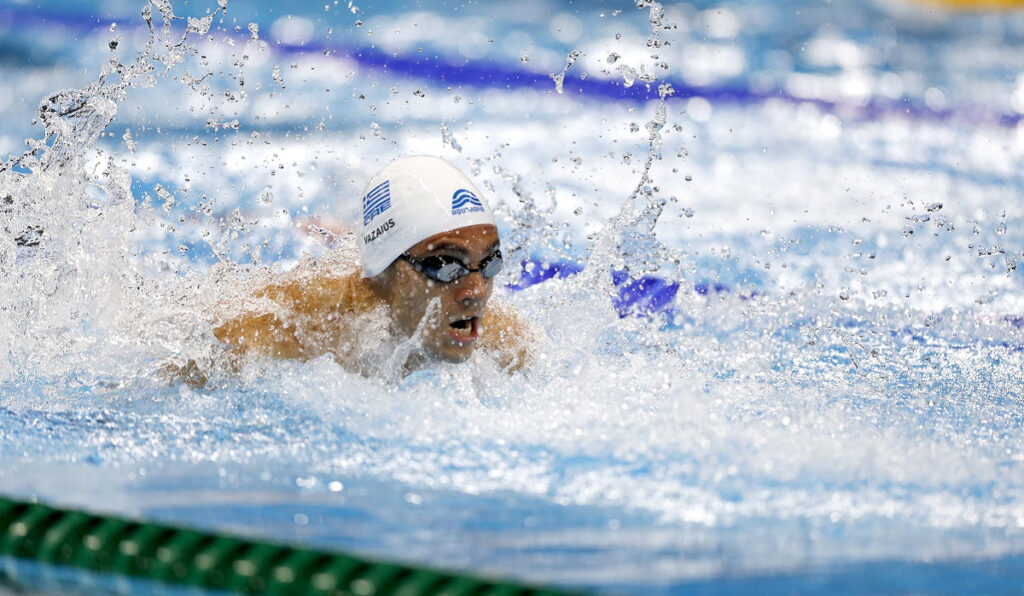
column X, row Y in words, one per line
column 450, row 332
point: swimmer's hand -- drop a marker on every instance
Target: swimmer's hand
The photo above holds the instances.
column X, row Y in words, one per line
column 188, row 373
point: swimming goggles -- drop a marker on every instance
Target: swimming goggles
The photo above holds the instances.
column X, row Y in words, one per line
column 445, row 269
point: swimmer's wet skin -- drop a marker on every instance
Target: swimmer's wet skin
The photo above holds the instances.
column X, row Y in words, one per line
column 429, row 251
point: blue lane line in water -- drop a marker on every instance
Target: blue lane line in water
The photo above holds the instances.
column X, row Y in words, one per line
column 489, row 73
column 646, row 296
column 493, row 74
column 654, row 297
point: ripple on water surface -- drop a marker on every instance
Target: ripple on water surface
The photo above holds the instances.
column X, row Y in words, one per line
column 834, row 385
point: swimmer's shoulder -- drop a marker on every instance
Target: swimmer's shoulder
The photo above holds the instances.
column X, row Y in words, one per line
column 508, row 336
column 294, row 314
column 321, row 286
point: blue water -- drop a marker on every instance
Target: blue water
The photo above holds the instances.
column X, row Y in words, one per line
column 787, row 358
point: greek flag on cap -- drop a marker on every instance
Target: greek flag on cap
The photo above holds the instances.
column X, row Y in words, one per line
column 376, row 202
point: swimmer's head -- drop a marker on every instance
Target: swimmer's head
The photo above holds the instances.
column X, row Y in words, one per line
column 431, row 247
column 410, row 200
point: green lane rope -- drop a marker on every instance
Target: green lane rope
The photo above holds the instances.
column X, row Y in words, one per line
column 216, row 562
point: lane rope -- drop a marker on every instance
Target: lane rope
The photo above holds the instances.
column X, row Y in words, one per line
column 199, row 559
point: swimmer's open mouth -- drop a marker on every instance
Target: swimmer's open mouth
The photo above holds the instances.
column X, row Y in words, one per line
column 465, row 330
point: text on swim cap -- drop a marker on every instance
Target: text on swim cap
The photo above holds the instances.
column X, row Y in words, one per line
column 376, row 201
column 464, row 201
column 378, row 231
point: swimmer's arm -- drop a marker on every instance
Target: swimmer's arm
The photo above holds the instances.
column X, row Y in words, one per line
column 266, row 333
column 307, row 306
column 260, row 334
column 250, row 333
column 507, row 336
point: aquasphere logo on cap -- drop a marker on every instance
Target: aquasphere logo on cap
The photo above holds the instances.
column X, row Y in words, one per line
column 376, row 201
column 464, row 201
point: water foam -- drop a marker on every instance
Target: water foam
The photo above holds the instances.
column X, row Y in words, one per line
column 845, row 394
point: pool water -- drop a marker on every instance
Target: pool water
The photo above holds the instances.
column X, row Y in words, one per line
column 781, row 323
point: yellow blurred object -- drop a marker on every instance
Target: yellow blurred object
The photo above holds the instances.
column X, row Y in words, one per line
column 977, row 4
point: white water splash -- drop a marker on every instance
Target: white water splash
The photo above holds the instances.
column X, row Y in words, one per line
column 850, row 394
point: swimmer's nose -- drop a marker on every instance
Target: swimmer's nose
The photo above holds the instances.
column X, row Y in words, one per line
column 472, row 289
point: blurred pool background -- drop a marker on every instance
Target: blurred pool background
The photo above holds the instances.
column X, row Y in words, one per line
column 827, row 398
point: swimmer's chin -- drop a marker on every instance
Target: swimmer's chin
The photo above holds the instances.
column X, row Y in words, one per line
column 454, row 356
column 453, row 349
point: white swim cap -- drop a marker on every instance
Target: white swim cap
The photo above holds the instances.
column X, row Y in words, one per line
column 410, row 200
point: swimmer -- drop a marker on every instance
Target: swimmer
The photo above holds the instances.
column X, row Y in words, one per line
column 429, row 252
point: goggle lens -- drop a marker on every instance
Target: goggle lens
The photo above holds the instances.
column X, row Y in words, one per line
column 449, row 269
